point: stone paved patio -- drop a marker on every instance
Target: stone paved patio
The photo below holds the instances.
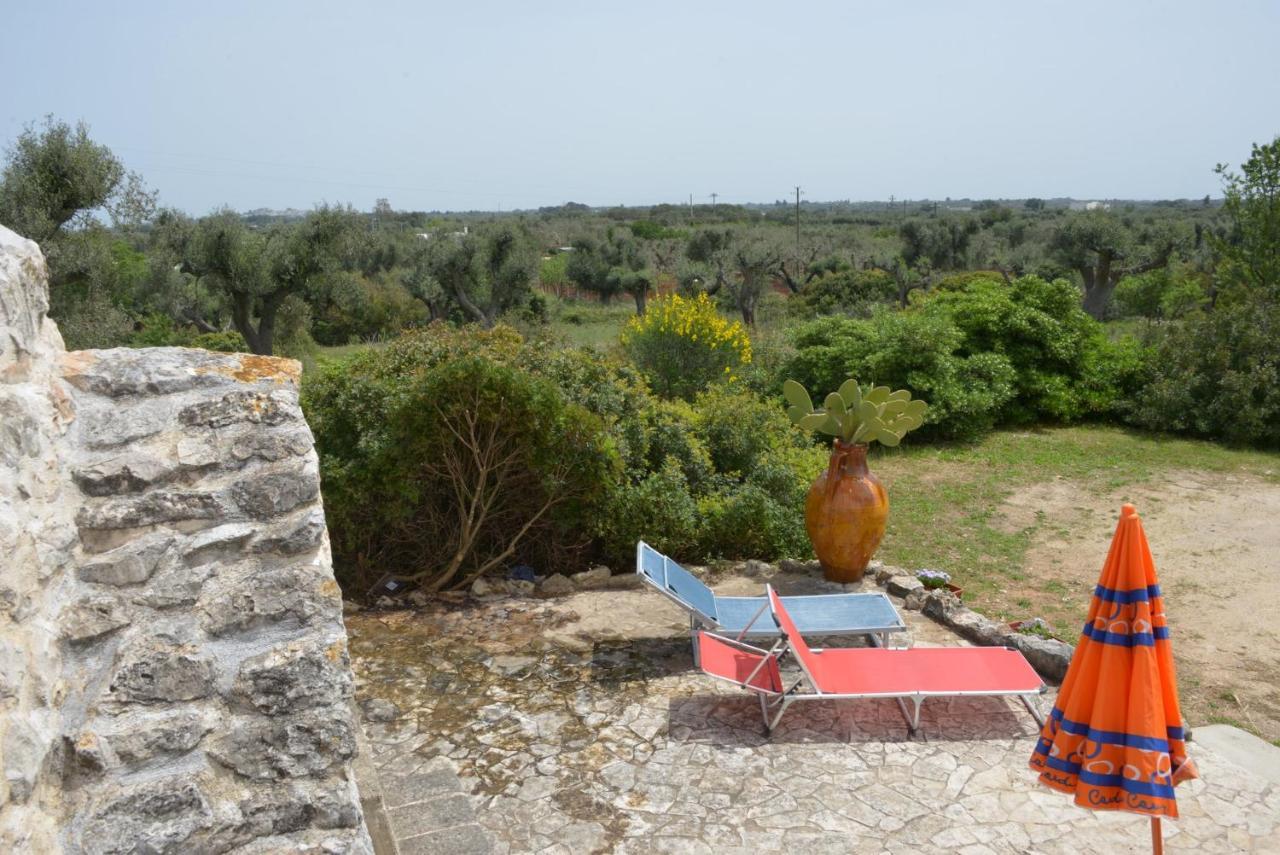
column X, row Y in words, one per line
column 577, row 725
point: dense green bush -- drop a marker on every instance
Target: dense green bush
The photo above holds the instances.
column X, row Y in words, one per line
column 723, row 476
column 846, row 291
column 1217, row 375
column 159, row 330
column 228, row 341
column 1039, row 328
column 455, row 469
column 910, row 350
column 981, row 353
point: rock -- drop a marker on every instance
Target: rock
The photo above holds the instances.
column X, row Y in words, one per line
column 557, row 585
column 1048, row 656
column 940, row 604
column 520, row 587
column 901, row 586
column 252, row 407
column 915, row 599
column 265, row 496
column 481, row 588
column 623, row 582
column 273, row 445
column 142, row 737
column 130, row 472
column 161, row 506
column 209, row 544
column 128, row 565
column 175, row 586
column 92, row 618
column 127, row 372
column 793, row 565
column 151, row 671
column 757, row 569
column 295, row 676
column 887, row 571
column 287, row 596
column 596, row 577
column 289, row 747
column 297, row 536
column 155, row 817
column 378, row 709
column 351, row 607
column 385, row 602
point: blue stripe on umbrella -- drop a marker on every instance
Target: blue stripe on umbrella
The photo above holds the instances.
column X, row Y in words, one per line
column 1135, row 595
column 1147, row 743
column 1120, row 639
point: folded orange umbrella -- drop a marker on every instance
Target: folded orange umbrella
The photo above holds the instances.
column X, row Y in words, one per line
column 1115, row 738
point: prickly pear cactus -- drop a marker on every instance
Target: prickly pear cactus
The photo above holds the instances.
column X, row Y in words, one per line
column 856, row 413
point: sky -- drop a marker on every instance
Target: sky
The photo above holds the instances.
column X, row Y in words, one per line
column 501, row 105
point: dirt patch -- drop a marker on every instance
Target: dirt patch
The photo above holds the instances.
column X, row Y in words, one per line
column 1216, row 545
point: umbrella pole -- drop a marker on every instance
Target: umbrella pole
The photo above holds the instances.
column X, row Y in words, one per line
column 1157, row 842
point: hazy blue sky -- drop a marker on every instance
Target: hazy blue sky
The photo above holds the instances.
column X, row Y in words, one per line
column 517, row 104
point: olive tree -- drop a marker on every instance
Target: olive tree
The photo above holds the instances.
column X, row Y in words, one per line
column 612, row 266
column 257, row 270
column 484, row 272
column 1103, row 250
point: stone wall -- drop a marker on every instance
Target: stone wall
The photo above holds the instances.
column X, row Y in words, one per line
column 173, row 664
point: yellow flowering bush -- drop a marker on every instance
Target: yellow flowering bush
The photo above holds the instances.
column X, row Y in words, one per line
column 682, row 344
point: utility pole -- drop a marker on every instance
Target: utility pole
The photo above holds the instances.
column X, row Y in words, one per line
column 713, row 199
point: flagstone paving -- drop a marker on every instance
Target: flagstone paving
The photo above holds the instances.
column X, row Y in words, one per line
column 577, row 725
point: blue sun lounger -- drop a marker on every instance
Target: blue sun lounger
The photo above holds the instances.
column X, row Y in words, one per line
column 872, row 615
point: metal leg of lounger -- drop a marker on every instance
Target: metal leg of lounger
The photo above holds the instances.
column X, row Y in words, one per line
column 913, row 719
column 1035, row 713
column 693, row 639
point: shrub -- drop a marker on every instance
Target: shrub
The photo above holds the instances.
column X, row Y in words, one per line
column 659, row 509
column 682, row 345
column 1039, row 328
column 911, row 350
column 853, row 292
column 455, row 470
column 1217, row 374
column 228, row 341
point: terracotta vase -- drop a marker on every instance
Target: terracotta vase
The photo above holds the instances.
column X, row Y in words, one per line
column 845, row 513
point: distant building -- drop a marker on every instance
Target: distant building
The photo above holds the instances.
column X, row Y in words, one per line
column 463, row 233
column 1077, row 205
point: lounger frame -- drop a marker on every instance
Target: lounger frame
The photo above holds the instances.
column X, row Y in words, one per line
column 774, row 704
column 878, row 633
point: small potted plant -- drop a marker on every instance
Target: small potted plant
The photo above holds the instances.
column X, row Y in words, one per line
column 847, row 507
column 935, row 580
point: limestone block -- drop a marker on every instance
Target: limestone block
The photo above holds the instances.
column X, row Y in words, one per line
column 130, row 564
column 142, row 737
column 154, row 508
column 130, row 472
column 155, row 817
column 292, row 595
column 153, row 670
column 295, row 676
column 252, row 407
column 296, row 535
column 306, row 744
column 264, row 496
column 93, row 617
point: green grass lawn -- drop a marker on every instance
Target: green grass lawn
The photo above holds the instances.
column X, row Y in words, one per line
column 946, row 501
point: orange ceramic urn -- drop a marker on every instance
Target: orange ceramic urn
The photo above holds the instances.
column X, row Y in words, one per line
column 845, row 513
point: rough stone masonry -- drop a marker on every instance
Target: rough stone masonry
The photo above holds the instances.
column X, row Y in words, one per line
column 173, row 663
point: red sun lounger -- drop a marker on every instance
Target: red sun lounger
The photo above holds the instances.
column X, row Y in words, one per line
column 871, row 672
